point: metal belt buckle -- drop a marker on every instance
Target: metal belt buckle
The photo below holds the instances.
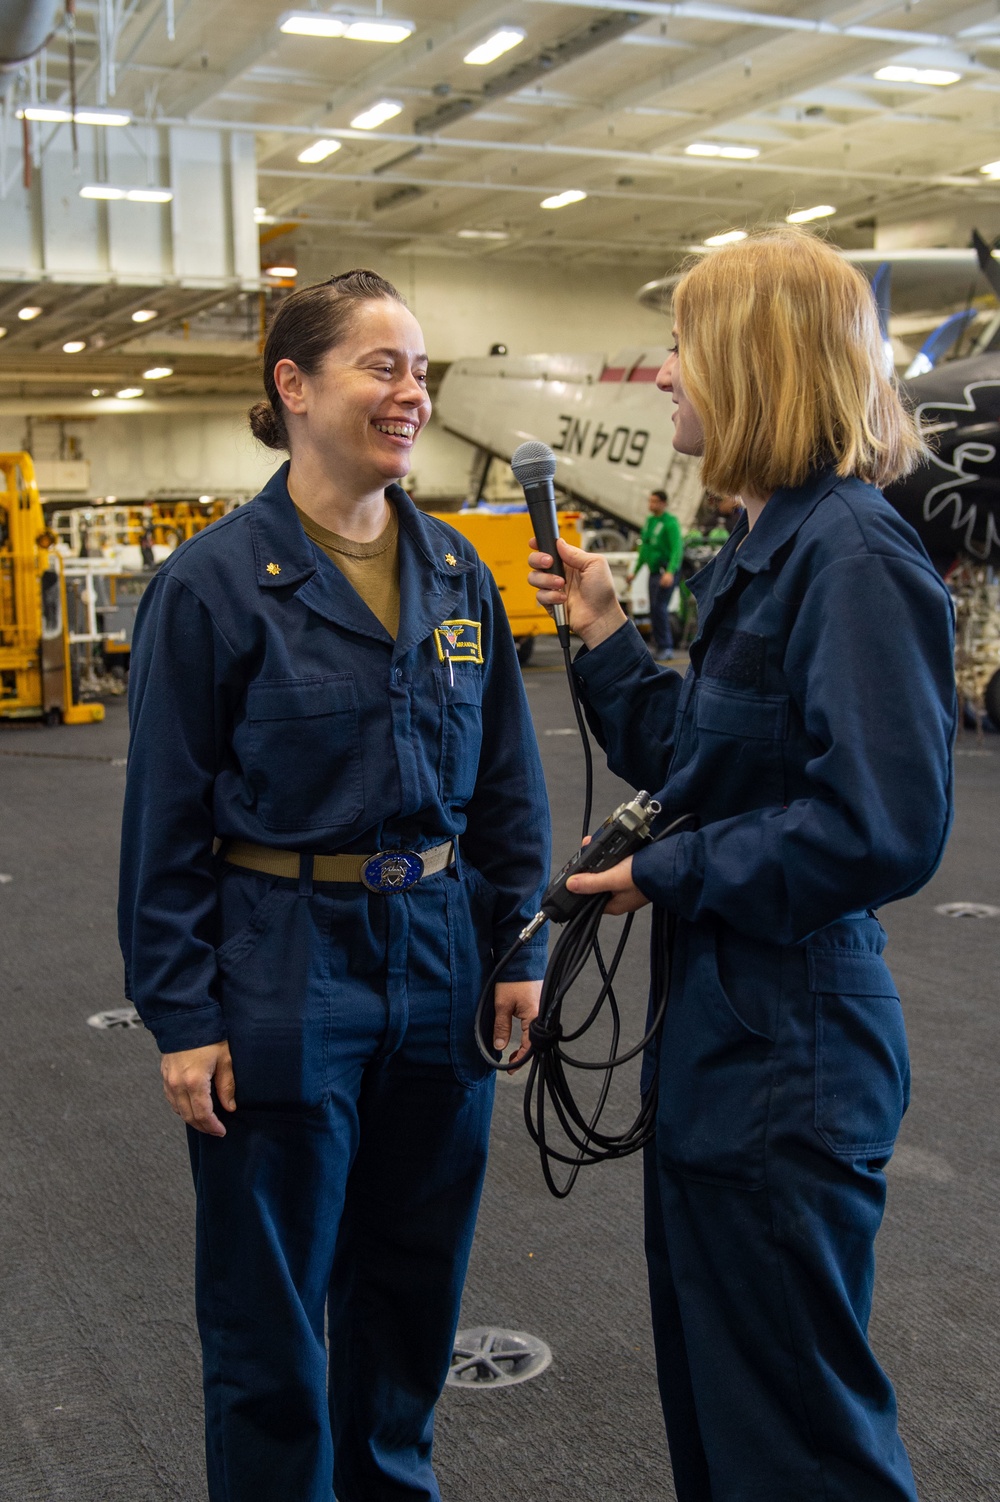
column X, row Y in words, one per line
column 392, row 871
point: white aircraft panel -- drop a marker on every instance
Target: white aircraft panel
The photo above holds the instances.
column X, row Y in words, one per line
column 612, row 438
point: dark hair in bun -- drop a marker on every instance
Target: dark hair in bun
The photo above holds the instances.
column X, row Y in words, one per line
column 309, row 323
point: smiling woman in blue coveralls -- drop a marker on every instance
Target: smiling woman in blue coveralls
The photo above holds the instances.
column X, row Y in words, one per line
column 812, row 739
column 335, row 820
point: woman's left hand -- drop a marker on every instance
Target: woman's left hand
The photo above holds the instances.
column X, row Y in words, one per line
column 617, row 880
column 514, row 998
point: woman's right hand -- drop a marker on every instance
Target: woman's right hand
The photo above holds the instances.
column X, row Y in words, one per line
column 187, row 1083
column 584, row 586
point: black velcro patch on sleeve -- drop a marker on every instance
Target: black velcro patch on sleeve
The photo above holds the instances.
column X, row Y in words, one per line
column 737, row 657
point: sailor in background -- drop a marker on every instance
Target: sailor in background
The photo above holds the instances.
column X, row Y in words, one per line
column 661, row 549
column 325, row 690
column 812, row 738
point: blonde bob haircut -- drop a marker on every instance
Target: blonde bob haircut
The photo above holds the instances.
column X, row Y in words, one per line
column 782, row 358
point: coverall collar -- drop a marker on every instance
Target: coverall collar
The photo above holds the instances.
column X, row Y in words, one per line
column 751, row 552
column 780, row 519
column 428, row 584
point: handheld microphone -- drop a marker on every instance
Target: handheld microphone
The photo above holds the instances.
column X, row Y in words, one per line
column 534, row 466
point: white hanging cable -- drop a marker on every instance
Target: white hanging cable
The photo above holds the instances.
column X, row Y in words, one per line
column 4, row 139
column 171, row 29
column 36, row 135
column 102, row 52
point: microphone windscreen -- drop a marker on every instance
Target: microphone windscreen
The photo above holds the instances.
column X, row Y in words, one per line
column 533, row 462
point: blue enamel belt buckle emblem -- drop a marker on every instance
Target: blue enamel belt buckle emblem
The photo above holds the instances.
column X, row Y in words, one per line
column 392, row 871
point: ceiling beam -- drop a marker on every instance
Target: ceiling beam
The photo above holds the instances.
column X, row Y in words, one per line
column 729, row 15
column 818, row 75
column 215, row 83
column 485, row 186
column 477, row 17
column 560, row 149
column 712, row 60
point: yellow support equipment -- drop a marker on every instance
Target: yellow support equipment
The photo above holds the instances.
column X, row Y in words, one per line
column 35, row 668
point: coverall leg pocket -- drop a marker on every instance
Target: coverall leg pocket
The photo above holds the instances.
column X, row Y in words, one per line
column 862, row 1060
column 716, row 1056
column 470, row 927
column 274, row 988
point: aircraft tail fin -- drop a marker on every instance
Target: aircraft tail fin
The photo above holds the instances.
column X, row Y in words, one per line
column 882, row 291
column 987, row 265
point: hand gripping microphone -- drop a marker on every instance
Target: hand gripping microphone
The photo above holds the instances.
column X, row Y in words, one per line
column 534, row 466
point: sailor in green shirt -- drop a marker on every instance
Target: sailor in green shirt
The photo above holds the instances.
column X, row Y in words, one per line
column 661, row 548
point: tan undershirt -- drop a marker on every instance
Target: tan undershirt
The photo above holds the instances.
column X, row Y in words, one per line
column 371, row 567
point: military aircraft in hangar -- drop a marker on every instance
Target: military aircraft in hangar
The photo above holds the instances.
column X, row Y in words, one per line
column 607, row 424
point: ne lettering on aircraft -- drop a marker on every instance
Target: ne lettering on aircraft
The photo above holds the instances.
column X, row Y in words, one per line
column 617, row 444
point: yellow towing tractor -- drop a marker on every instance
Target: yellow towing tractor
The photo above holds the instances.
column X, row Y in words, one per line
column 36, row 667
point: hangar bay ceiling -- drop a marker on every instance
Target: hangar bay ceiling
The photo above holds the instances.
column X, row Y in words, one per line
column 621, row 133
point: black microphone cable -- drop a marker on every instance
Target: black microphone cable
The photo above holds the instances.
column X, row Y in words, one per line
column 549, row 1091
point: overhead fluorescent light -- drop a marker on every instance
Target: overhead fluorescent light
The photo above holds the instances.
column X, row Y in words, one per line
column 134, row 195
column 495, row 46
column 730, row 237
column 311, row 23
column 127, row 393
column 51, row 114
column 806, row 216
column 483, row 234
column 320, row 150
column 381, row 30
column 284, row 272
column 992, row 169
column 158, row 372
column 74, row 346
column 898, row 73
column 377, row 114
column 102, row 117
column 560, row 200
column 27, row 314
column 144, row 315
column 717, row 148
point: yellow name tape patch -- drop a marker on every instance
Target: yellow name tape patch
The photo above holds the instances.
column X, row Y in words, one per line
column 459, row 641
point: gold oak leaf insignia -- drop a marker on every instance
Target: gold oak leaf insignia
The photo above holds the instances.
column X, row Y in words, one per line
column 450, row 558
column 274, row 568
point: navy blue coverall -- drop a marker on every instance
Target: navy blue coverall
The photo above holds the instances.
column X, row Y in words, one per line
column 812, row 738
column 269, row 704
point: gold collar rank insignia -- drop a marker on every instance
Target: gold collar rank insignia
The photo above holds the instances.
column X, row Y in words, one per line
column 450, row 559
column 274, row 568
column 459, row 641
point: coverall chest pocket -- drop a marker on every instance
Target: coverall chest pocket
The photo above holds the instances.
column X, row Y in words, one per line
column 461, row 731
column 728, row 711
column 862, row 1061
column 305, row 752
column 742, row 734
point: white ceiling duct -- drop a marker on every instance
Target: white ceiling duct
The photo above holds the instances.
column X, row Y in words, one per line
column 25, row 27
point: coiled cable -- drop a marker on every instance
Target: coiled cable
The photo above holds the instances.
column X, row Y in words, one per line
column 549, row 1095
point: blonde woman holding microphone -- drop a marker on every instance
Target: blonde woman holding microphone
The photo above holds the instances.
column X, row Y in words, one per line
column 812, row 737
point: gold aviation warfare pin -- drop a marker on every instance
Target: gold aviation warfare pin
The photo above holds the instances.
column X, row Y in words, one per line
column 459, row 641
